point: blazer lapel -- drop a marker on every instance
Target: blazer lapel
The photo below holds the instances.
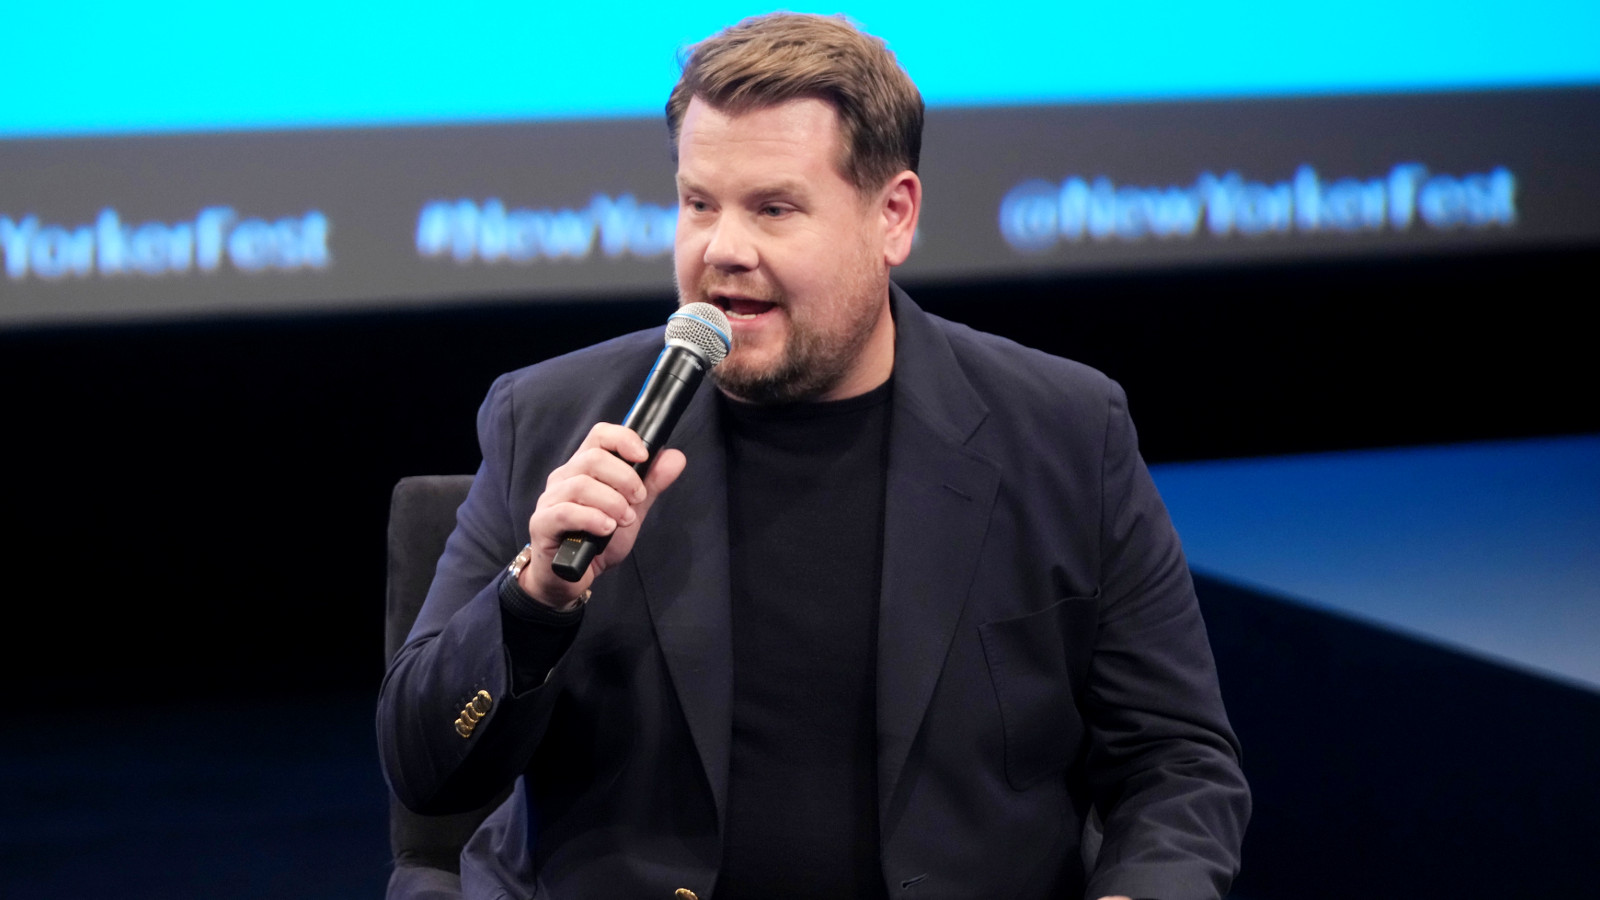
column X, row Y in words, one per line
column 940, row 495
column 682, row 559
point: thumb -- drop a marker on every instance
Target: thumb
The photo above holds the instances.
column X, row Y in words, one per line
column 668, row 466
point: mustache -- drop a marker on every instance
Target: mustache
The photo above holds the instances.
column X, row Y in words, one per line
column 720, row 290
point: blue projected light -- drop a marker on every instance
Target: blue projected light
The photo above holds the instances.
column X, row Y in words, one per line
column 1493, row 548
column 102, row 67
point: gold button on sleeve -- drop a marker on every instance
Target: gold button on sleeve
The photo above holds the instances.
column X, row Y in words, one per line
column 685, row 894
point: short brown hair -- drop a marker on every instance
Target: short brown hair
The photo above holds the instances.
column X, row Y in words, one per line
column 767, row 60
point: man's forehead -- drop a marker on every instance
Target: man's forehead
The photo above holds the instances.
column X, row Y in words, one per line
column 794, row 129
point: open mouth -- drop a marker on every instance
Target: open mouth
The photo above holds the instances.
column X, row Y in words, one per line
column 743, row 308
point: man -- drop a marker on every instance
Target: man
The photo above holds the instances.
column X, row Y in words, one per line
column 911, row 617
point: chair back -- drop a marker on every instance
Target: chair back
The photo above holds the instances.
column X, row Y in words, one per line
column 422, row 513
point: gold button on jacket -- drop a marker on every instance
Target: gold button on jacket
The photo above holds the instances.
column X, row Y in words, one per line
column 479, row 707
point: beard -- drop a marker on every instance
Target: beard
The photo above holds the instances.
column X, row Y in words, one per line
column 812, row 364
column 821, row 348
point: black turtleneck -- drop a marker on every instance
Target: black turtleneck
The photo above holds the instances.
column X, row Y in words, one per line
column 805, row 522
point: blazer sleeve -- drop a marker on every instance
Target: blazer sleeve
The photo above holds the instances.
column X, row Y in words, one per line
column 457, row 648
column 1163, row 761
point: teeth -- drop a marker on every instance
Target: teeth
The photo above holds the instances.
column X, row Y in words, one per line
column 730, row 307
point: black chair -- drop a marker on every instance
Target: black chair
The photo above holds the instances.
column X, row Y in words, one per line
column 427, row 849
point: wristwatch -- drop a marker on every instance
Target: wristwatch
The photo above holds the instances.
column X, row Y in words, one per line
column 521, row 562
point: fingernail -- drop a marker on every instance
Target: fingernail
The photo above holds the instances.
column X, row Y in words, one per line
column 611, row 524
column 629, row 517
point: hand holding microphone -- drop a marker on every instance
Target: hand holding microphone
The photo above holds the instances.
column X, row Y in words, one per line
column 593, row 505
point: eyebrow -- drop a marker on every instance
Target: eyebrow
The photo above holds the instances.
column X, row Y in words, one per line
column 788, row 187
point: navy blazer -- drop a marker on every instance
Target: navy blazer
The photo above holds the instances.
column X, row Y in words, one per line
column 1041, row 656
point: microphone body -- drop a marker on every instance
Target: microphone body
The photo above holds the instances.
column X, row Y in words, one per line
column 698, row 337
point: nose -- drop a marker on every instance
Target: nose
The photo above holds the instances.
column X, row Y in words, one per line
column 731, row 248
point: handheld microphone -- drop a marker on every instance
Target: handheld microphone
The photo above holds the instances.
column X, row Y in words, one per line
column 698, row 337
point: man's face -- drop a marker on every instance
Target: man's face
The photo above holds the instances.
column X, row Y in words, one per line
column 774, row 235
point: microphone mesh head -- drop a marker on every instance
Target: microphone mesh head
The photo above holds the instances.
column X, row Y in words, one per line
column 702, row 328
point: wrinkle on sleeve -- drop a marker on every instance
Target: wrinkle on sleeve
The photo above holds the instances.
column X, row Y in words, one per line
column 1163, row 762
column 457, row 648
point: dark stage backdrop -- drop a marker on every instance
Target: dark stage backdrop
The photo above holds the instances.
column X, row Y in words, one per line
column 197, row 508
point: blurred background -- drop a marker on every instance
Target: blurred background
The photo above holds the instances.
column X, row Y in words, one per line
column 258, row 267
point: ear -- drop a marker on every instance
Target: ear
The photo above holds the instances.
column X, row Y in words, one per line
column 900, row 203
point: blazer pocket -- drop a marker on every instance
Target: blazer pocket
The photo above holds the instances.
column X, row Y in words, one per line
column 1035, row 662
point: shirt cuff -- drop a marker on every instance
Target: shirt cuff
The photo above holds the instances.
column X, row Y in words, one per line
column 536, row 636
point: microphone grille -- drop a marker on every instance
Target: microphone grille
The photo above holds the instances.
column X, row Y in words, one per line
column 702, row 328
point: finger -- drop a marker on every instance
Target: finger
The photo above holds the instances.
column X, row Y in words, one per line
column 585, row 490
column 602, row 466
column 548, row 526
column 616, row 439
